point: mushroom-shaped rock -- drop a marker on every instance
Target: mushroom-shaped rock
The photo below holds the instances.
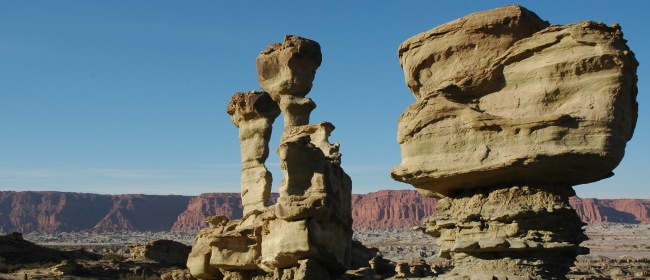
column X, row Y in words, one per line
column 510, row 113
column 289, row 68
column 286, row 70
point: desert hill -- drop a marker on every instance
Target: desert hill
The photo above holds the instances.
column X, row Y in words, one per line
column 50, row 212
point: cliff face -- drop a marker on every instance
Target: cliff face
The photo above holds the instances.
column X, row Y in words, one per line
column 390, row 209
column 60, row 211
column 142, row 212
column 211, row 204
column 51, row 211
column 208, row 204
column 598, row 211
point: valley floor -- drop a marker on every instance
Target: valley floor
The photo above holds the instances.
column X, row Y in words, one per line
column 616, row 249
column 608, row 240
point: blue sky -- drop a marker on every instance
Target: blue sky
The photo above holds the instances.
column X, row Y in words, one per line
column 130, row 96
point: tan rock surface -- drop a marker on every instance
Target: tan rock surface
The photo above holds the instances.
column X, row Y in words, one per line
column 556, row 106
column 307, row 234
column 254, row 113
column 536, row 226
column 289, row 68
column 509, row 115
column 466, row 48
column 286, row 70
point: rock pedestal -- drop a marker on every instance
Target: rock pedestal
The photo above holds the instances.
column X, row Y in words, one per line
column 510, row 113
column 508, row 232
column 307, row 234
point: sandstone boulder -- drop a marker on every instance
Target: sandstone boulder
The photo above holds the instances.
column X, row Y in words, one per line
column 289, row 68
column 467, row 49
column 524, row 104
column 510, row 113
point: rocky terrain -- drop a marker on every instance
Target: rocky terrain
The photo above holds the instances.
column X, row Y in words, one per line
column 617, row 251
column 158, row 259
column 510, row 113
column 53, row 212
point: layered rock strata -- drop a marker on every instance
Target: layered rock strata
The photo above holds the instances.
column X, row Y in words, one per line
column 307, row 233
column 510, row 113
column 390, row 209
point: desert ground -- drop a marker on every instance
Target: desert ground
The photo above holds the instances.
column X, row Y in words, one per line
column 617, row 251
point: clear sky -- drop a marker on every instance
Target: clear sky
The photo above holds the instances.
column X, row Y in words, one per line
column 130, row 96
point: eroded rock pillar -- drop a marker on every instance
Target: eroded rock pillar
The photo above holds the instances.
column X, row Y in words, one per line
column 510, row 114
column 315, row 194
column 508, row 232
column 253, row 113
column 307, row 234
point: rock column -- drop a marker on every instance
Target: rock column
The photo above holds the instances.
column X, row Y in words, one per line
column 307, row 234
column 254, row 113
column 508, row 232
column 315, row 195
column 510, row 114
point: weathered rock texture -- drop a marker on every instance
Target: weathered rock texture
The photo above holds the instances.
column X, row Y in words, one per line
column 254, row 113
column 555, row 105
column 534, row 233
column 510, row 113
column 286, row 70
column 307, row 233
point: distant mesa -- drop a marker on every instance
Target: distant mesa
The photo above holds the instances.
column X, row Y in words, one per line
column 387, row 209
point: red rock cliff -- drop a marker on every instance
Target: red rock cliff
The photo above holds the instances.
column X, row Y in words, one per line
column 598, row 211
column 390, row 209
column 208, row 204
column 60, row 211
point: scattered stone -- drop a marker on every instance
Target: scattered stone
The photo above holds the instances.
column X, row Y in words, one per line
column 177, row 274
column 162, row 251
column 65, row 268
